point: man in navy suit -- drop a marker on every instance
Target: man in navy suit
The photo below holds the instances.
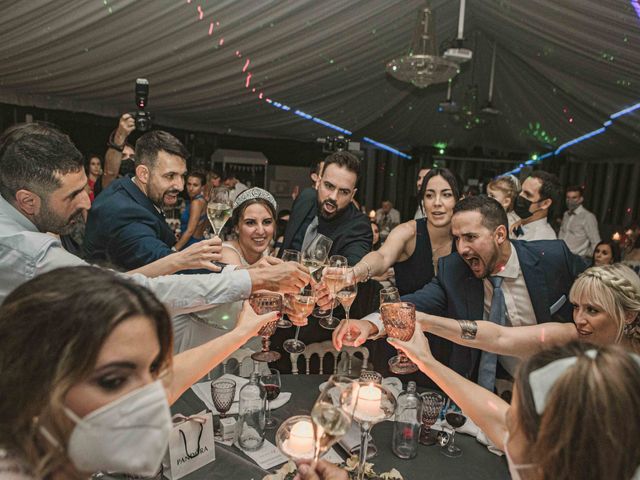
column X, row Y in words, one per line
column 126, row 227
column 534, row 279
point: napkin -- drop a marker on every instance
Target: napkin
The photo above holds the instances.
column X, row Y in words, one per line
column 351, row 441
column 471, row 429
column 203, row 391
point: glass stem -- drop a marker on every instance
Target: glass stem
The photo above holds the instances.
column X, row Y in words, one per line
column 265, row 344
column 452, row 441
column 364, row 444
column 296, row 335
column 268, row 412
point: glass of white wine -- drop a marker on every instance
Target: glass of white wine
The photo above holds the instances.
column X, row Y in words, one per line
column 219, row 209
column 346, row 297
column 288, row 256
column 333, row 411
column 302, row 304
column 334, row 278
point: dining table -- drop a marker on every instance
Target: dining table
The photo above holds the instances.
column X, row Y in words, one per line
column 476, row 462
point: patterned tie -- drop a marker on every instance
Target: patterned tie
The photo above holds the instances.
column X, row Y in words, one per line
column 497, row 315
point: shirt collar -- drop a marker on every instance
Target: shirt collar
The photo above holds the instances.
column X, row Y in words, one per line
column 15, row 215
column 512, row 268
column 133, row 179
column 535, row 224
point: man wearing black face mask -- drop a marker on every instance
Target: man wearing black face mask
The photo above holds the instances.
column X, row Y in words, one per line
column 540, row 192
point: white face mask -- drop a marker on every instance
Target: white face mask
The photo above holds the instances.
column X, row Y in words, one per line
column 514, row 468
column 128, row 435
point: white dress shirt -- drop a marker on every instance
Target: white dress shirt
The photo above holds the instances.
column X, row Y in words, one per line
column 538, row 230
column 579, row 230
column 26, row 253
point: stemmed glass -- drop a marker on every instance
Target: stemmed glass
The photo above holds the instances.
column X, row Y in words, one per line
column 271, row 383
column 219, row 209
column 302, row 304
column 346, row 296
column 399, row 321
column 432, row 406
column 265, row 303
column 288, row 256
column 389, row 295
column 333, row 411
column 314, row 257
column 222, row 393
column 375, row 404
column 334, row 277
column 456, row 420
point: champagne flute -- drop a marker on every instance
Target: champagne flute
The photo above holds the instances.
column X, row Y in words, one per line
column 334, row 277
column 288, row 256
column 219, row 209
column 399, row 321
column 346, row 296
column 314, row 257
column 389, row 295
column 302, row 304
column 271, row 383
column 333, row 411
column 262, row 303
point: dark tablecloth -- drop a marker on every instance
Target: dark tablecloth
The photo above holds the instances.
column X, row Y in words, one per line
column 231, row 464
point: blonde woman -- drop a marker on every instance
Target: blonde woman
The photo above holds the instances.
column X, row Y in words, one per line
column 87, row 373
column 606, row 310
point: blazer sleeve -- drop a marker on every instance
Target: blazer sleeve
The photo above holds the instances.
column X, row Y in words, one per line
column 432, row 298
column 359, row 243
column 575, row 263
column 136, row 244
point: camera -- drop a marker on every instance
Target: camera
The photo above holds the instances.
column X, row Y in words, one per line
column 142, row 117
column 338, row 144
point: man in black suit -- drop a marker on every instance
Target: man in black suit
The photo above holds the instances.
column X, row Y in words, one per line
column 530, row 282
column 335, row 215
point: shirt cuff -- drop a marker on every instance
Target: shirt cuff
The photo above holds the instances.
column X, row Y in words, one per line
column 240, row 279
column 229, row 268
column 375, row 319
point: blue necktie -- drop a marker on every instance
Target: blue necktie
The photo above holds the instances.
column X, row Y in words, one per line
column 497, row 315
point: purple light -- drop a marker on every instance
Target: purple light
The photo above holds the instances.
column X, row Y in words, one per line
column 636, row 6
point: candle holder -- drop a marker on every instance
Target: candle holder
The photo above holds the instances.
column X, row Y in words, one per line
column 295, row 438
column 375, row 404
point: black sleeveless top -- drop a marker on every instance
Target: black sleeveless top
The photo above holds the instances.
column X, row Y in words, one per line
column 417, row 270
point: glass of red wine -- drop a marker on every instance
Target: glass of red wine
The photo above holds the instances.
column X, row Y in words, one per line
column 271, row 384
column 265, row 303
column 456, row 420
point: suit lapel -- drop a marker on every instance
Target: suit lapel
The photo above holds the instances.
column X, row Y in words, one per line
column 142, row 199
column 475, row 298
column 535, row 280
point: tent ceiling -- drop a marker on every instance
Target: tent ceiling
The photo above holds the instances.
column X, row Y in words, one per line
column 563, row 64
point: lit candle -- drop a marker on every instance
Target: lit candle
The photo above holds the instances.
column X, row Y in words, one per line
column 616, row 237
column 300, row 442
column 372, row 214
column 369, row 401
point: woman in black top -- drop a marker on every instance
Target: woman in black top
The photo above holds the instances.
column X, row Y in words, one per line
column 414, row 247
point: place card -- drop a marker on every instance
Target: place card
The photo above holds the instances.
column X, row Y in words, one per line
column 267, row 456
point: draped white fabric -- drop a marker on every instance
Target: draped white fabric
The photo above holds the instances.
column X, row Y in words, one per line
column 557, row 60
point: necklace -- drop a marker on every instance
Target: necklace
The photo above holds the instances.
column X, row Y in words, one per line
column 435, row 254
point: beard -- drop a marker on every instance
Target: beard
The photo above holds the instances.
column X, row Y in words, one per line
column 159, row 199
column 327, row 215
column 49, row 221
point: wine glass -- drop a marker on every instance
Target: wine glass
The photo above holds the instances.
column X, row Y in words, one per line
column 375, row 404
column 219, row 209
column 302, row 304
column 399, row 321
column 314, row 257
column 389, row 295
column 262, row 303
column 222, row 393
column 334, row 277
column 456, row 420
column 346, row 296
column 288, row 256
column 333, row 411
column 432, row 406
column 271, row 383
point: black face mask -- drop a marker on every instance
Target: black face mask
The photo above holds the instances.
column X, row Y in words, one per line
column 522, row 206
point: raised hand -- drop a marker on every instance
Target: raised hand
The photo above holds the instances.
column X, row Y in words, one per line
column 364, row 328
column 417, row 348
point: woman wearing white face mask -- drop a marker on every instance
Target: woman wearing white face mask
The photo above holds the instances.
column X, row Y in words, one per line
column 575, row 411
column 87, row 375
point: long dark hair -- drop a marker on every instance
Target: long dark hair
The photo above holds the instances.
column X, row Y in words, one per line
column 52, row 329
column 615, row 251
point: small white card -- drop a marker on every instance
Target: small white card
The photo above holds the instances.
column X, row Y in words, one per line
column 267, row 456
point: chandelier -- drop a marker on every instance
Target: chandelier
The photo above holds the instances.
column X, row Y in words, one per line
column 423, row 66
